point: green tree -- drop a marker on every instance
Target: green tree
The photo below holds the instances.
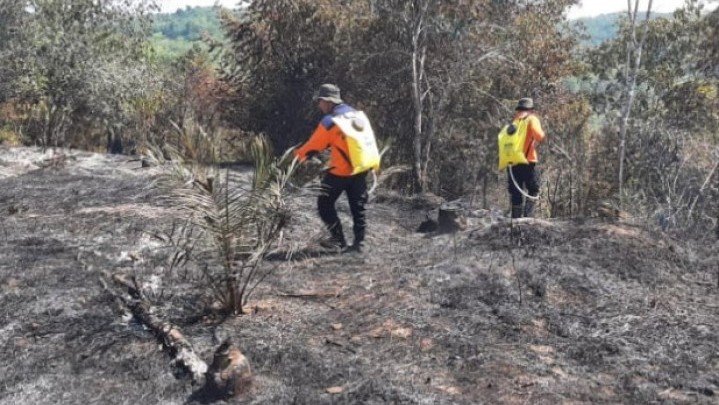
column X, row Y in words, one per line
column 278, row 52
column 173, row 34
column 436, row 78
column 76, row 61
column 455, row 72
column 13, row 19
column 668, row 138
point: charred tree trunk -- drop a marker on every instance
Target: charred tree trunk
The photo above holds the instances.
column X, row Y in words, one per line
column 451, row 218
column 419, row 54
column 229, row 374
column 634, row 60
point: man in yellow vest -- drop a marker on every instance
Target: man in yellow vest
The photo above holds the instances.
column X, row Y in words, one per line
column 339, row 178
column 526, row 175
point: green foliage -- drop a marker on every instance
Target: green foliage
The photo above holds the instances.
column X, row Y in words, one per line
column 441, row 115
column 183, row 100
column 273, row 62
column 12, row 16
column 75, row 63
column 188, row 24
column 670, row 86
column 173, row 34
column 169, row 50
column 673, row 119
column 437, row 78
column 8, row 137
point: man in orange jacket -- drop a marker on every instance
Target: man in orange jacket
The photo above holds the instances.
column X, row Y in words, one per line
column 526, row 175
column 339, row 178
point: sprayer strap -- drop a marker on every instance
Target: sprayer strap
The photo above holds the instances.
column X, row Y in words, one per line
column 344, row 155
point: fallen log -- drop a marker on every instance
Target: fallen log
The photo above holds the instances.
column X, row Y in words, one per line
column 229, row 375
column 172, row 339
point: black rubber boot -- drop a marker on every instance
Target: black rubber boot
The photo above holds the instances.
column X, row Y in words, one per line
column 516, row 211
column 529, row 208
column 357, row 247
column 358, row 243
column 338, row 236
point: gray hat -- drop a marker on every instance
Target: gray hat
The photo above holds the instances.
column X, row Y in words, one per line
column 525, row 104
column 329, row 92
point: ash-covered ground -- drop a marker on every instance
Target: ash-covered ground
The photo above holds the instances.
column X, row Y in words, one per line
column 545, row 311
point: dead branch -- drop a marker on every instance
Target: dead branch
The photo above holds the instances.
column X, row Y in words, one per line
column 311, row 294
column 339, row 344
column 168, row 334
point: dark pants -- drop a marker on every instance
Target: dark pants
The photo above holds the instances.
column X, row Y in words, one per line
column 356, row 189
column 527, row 177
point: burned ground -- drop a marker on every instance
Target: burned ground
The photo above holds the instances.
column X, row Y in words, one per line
column 539, row 312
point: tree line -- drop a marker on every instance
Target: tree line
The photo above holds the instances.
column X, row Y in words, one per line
column 631, row 123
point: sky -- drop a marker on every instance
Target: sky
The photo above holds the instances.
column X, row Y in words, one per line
column 590, row 8
column 587, row 8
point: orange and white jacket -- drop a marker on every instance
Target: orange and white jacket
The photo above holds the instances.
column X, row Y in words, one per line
column 328, row 135
column 535, row 134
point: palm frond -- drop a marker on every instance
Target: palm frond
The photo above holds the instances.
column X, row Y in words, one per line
column 241, row 218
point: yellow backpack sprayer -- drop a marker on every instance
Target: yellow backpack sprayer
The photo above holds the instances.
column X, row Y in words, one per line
column 511, row 142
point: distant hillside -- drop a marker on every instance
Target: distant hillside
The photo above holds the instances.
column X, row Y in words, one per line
column 188, row 23
column 604, row 27
column 173, row 34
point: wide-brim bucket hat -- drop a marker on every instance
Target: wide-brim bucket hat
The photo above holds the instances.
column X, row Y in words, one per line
column 329, row 92
column 525, row 104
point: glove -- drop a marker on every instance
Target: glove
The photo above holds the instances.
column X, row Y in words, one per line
column 314, row 157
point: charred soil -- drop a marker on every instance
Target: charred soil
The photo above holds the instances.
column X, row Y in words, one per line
column 535, row 311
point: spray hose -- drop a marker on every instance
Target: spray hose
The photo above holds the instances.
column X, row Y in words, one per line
column 375, row 180
column 516, row 185
column 375, row 183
